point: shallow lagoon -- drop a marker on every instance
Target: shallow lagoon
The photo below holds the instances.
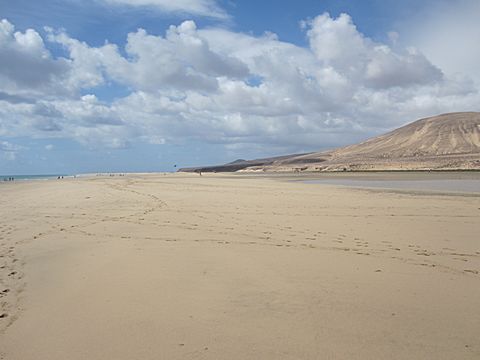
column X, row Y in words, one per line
column 449, row 185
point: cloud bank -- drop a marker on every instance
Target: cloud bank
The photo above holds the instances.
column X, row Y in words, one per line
column 219, row 86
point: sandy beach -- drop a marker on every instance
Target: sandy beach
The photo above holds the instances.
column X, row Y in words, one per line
column 182, row 266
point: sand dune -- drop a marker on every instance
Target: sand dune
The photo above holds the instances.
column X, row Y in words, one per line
column 217, row 267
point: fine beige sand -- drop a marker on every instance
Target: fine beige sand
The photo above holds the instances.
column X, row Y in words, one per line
column 234, row 267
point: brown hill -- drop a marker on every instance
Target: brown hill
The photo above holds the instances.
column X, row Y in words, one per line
column 444, row 142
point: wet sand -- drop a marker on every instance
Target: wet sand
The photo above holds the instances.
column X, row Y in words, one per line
column 457, row 186
column 235, row 267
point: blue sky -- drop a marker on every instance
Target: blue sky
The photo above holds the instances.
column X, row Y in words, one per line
column 143, row 85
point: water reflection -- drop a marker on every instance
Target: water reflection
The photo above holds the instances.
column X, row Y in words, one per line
column 457, row 185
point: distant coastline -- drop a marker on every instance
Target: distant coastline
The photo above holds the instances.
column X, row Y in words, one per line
column 4, row 178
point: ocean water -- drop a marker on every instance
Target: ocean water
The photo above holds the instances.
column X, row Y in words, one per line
column 455, row 185
column 31, row 177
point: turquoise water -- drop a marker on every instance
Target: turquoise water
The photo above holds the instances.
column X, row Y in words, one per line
column 31, row 177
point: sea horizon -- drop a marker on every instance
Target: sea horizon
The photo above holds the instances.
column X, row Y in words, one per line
column 31, row 176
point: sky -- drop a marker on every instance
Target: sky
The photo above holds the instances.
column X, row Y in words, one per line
column 147, row 85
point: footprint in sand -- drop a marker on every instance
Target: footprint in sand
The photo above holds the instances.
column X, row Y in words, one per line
column 425, row 264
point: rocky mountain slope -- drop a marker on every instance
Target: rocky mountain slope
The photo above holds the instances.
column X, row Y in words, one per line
column 444, row 142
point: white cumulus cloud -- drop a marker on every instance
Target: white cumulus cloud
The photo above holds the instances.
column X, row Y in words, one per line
column 337, row 43
column 220, row 86
column 26, row 66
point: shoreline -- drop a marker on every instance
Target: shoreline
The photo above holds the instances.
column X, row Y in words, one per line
column 350, row 173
